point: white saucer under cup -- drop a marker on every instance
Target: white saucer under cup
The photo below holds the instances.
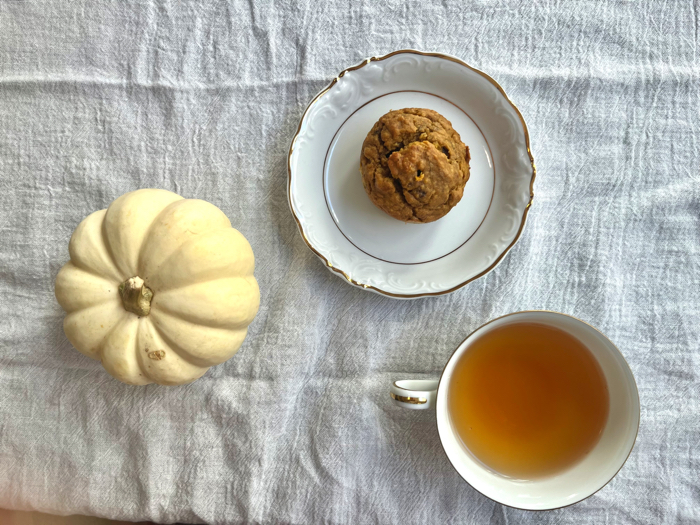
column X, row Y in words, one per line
column 360, row 242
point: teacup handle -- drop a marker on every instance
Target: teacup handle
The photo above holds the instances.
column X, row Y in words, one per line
column 416, row 394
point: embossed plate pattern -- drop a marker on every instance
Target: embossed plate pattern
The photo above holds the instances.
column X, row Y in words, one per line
column 368, row 248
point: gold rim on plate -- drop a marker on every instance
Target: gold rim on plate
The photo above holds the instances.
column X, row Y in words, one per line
column 328, row 88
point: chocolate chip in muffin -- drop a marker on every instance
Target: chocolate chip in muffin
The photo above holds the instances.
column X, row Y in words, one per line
column 414, row 165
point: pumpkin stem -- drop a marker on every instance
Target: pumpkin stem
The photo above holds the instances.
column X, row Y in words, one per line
column 136, row 296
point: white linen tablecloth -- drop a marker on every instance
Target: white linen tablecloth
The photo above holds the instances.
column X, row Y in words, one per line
column 101, row 98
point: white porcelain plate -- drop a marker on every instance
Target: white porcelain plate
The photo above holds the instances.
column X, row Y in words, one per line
column 363, row 244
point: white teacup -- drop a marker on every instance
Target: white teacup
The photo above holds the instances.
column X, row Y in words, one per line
column 565, row 488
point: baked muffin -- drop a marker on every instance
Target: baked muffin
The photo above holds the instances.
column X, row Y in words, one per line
column 414, row 165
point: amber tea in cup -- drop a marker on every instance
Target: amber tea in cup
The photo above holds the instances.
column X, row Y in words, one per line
column 536, row 410
column 528, row 400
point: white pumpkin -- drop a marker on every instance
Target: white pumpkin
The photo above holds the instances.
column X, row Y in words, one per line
column 159, row 288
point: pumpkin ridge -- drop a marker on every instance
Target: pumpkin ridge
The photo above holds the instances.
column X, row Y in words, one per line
column 108, row 246
column 104, row 301
column 175, row 348
column 82, row 230
column 177, row 252
column 64, row 294
column 92, row 272
column 164, row 306
column 139, row 263
column 93, row 351
column 188, row 369
column 103, row 341
column 113, row 367
column 176, row 315
column 136, row 351
column 181, row 352
column 127, row 269
column 183, row 222
column 202, row 344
